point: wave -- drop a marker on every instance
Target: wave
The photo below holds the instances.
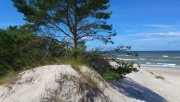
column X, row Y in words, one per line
column 170, row 65
column 124, row 55
column 142, row 59
column 159, row 63
column 158, row 60
column 165, row 56
column 149, row 63
column 127, row 59
column 175, row 57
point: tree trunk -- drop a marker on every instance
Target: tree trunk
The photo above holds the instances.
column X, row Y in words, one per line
column 75, row 46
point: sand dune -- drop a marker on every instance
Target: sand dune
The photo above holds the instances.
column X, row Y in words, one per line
column 63, row 82
column 57, row 83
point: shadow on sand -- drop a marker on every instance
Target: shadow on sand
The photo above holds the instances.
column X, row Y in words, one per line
column 134, row 90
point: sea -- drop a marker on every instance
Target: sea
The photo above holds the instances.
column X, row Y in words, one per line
column 162, row 59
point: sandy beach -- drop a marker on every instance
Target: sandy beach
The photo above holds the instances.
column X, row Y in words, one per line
column 147, row 87
column 170, row 75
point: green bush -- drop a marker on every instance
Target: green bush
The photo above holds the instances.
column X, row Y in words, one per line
column 100, row 62
column 11, row 43
column 111, row 75
column 20, row 48
column 121, row 71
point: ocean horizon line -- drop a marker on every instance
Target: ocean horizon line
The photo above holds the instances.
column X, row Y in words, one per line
column 155, row 50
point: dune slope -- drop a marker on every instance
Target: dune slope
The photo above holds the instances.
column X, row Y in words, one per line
column 58, row 83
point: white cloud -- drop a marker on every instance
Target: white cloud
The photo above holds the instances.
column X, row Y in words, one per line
column 159, row 34
column 157, row 26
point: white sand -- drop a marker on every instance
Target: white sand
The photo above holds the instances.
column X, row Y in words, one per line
column 170, row 75
column 32, row 85
column 113, row 64
column 169, row 88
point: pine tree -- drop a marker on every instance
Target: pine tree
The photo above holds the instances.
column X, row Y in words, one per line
column 77, row 21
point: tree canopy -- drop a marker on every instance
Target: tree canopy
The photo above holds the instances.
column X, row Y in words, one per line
column 75, row 21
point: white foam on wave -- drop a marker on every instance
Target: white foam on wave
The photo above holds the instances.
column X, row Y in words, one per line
column 158, row 60
column 127, row 59
column 124, row 55
column 165, row 56
column 142, row 59
column 159, row 63
column 170, row 65
column 149, row 63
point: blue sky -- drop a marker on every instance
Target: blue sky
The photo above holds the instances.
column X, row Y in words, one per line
column 142, row 24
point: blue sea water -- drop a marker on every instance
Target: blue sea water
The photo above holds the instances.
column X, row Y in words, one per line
column 168, row 59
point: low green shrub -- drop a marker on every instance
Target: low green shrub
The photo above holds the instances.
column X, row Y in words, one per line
column 121, row 71
column 111, row 75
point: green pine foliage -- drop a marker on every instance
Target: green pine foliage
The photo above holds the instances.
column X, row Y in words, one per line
column 78, row 21
column 121, row 71
column 20, row 48
column 11, row 43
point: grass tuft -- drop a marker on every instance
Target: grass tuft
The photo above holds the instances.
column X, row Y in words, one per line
column 7, row 77
column 159, row 77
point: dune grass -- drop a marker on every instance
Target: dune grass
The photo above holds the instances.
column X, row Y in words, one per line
column 5, row 78
column 159, row 77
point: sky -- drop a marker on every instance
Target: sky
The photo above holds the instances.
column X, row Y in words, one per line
column 145, row 25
